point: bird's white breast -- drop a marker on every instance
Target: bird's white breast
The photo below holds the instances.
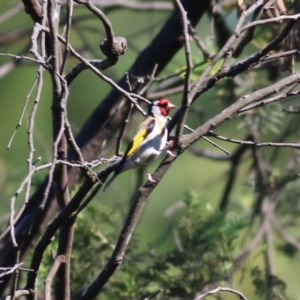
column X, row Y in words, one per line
column 152, row 146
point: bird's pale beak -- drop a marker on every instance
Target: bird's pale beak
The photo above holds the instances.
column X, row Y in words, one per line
column 171, row 106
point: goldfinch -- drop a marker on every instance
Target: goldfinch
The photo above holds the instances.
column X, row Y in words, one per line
column 148, row 142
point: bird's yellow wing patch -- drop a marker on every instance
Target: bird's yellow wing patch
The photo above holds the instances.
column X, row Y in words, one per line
column 135, row 143
column 144, row 130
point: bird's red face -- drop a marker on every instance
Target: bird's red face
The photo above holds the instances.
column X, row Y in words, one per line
column 162, row 107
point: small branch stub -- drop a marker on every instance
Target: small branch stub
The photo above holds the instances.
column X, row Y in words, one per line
column 117, row 48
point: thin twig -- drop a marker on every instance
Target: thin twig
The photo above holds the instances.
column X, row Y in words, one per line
column 153, row 5
column 56, row 264
column 215, row 145
column 23, row 112
column 68, row 28
column 129, row 96
column 201, row 45
column 270, row 269
column 241, row 255
column 72, row 142
column 124, row 125
column 31, row 125
column 232, row 175
column 10, row 270
column 153, row 295
column 286, row 94
column 209, row 154
column 99, row 64
column 291, row 111
column 11, row 12
column 270, row 57
column 186, row 100
column 90, row 197
column 105, row 21
column 223, row 51
column 221, row 289
column 290, row 239
column 251, row 143
column 270, row 20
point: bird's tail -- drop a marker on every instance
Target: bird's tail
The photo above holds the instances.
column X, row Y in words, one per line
column 109, row 182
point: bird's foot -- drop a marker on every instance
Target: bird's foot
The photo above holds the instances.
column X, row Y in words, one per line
column 170, row 153
column 168, row 148
column 149, row 177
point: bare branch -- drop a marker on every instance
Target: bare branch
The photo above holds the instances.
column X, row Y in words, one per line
column 186, row 100
column 10, row 270
column 155, row 5
column 112, row 46
column 34, row 9
column 106, row 23
column 99, row 64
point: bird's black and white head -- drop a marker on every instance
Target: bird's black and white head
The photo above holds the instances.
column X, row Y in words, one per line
column 160, row 108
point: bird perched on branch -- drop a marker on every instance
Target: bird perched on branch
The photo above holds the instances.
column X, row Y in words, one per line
column 148, row 142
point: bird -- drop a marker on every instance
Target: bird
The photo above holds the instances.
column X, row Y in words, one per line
column 148, row 142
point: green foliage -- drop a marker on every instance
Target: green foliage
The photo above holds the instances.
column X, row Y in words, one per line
column 288, row 207
column 288, row 249
column 266, row 119
column 205, row 241
column 202, row 256
column 266, row 284
column 96, row 230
